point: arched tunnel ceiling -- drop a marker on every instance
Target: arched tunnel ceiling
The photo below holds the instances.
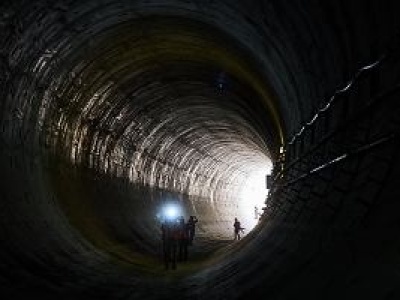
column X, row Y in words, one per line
column 111, row 109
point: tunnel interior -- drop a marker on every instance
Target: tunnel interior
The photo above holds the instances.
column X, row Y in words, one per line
column 112, row 110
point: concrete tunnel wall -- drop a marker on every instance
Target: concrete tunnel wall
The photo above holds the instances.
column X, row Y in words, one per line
column 110, row 108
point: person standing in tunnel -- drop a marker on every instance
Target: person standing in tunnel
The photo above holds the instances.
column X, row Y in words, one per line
column 191, row 228
column 237, row 229
column 182, row 237
column 169, row 229
column 256, row 213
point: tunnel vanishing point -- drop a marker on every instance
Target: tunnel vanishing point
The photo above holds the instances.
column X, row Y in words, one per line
column 110, row 109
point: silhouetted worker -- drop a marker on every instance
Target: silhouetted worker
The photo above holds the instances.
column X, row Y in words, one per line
column 256, row 213
column 169, row 232
column 182, row 240
column 191, row 227
column 237, row 229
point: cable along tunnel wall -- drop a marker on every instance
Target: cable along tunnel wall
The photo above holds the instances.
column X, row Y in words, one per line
column 336, row 185
column 77, row 145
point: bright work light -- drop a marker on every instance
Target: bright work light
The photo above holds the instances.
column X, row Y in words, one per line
column 171, row 211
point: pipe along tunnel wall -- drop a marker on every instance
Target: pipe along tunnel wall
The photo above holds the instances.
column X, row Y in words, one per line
column 111, row 109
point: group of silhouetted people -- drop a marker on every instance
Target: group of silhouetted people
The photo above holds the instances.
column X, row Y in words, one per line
column 177, row 236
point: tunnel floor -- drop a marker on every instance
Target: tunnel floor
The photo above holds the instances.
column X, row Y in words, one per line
column 120, row 279
column 205, row 252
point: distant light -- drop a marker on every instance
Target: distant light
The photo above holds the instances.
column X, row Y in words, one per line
column 252, row 197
